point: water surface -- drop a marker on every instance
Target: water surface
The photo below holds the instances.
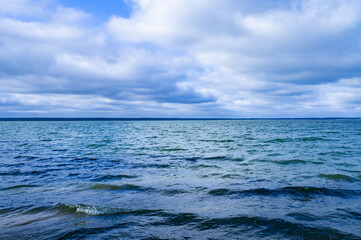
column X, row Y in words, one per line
column 241, row 179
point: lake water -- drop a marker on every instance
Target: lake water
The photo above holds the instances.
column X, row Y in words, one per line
column 241, row 179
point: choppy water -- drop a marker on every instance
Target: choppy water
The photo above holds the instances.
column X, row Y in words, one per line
column 251, row 179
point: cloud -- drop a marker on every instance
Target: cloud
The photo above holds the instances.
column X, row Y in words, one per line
column 342, row 96
column 22, row 7
column 205, row 58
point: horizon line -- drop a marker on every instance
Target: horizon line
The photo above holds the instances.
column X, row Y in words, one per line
column 164, row 118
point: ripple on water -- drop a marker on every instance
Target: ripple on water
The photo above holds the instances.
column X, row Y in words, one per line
column 276, row 227
column 169, row 180
column 23, row 173
column 96, row 145
column 288, row 162
column 339, row 177
column 97, row 211
column 303, row 139
column 257, row 226
column 217, row 140
column 249, row 226
column 18, row 187
column 289, row 191
column 112, row 187
column 202, row 166
column 216, row 158
column 231, row 176
column 153, row 165
column 172, row 149
column 113, row 177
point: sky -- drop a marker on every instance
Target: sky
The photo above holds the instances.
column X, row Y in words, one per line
column 180, row 58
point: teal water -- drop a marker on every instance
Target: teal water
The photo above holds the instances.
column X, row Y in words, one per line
column 241, row 179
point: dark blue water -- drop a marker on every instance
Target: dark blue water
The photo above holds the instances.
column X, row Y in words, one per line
column 255, row 179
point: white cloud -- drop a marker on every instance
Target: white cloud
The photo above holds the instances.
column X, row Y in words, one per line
column 193, row 58
column 22, row 7
column 341, row 95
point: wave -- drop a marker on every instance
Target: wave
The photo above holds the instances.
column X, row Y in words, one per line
column 340, row 213
column 28, row 158
column 211, row 175
column 339, row 177
column 172, row 149
column 216, row 140
column 46, row 140
column 132, row 187
column 26, row 173
column 290, row 161
column 153, row 165
column 85, row 159
column 276, row 227
column 98, row 211
column 18, row 187
column 110, row 187
column 60, row 150
column 192, row 159
column 96, row 145
column 202, row 166
column 235, row 159
column 173, row 192
column 215, row 158
column 113, row 177
column 63, row 208
column 231, row 176
column 302, row 216
column 350, row 214
column 304, row 139
column 336, row 153
column 299, row 191
column 249, row 226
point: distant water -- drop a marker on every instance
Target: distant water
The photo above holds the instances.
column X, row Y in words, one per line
column 245, row 179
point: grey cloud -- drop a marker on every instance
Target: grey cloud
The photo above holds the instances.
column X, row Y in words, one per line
column 187, row 58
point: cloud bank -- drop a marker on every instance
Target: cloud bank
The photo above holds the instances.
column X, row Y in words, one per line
column 182, row 58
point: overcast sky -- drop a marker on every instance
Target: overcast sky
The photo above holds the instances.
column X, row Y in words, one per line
column 180, row 58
